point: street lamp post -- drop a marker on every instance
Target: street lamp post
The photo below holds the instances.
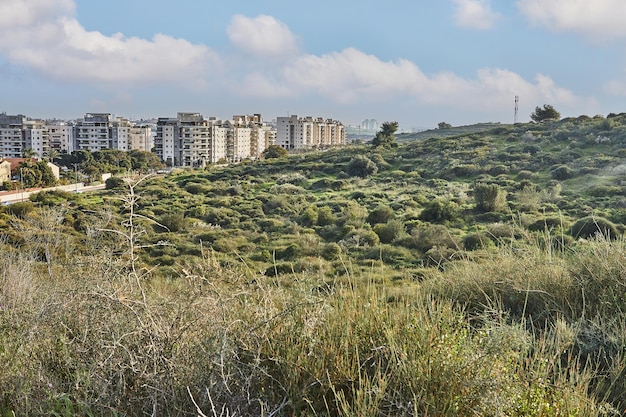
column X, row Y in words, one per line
column 22, row 182
column 76, row 178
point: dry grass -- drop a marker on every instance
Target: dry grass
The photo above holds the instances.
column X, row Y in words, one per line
column 522, row 331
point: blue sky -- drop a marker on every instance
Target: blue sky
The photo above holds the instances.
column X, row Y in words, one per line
column 418, row 62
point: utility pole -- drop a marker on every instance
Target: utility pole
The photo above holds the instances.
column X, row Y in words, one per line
column 516, row 108
column 75, row 178
column 22, row 182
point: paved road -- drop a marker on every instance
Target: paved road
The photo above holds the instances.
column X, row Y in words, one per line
column 16, row 196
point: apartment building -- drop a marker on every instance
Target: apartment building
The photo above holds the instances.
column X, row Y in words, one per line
column 11, row 135
column 295, row 132
column 36, row 137
column 191, row 140
column 100, row 131
column 93, row 132
column 140, row 138
column 61, row 137
column 120, row 134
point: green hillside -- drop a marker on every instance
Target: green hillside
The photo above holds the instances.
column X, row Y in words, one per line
column 448, row 131
column 476, row 272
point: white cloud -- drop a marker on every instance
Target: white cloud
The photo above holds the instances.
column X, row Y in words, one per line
column 51, row 41
column 475, row 14
column 262, row 35
column 20, row 13
column 597, row 19
column 615, row 88
column 351, row 74
column 353, row 77
column 259, row 85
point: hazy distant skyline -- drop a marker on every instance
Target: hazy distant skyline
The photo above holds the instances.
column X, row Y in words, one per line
column 414, row 61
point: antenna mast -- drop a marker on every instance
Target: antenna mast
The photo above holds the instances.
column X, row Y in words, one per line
column 516, row 108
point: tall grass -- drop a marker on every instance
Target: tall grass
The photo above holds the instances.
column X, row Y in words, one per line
column 523, row 331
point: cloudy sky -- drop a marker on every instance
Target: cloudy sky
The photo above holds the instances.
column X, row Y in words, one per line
column 418, row 62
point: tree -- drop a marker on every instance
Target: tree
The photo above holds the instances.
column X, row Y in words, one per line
column 28, row 153
column 144, row 161
column 275, row 151
column 386, row 137
column 547, row 113
column 47, row 176
column 51, row 154
column 112, row 160
column 36, row 174
column 444, row 125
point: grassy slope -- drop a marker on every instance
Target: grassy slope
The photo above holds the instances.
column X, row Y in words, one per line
column 265, row 287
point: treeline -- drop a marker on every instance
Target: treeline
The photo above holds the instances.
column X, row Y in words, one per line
column 93, row 164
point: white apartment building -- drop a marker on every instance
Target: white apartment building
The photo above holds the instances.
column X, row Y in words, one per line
column 35, row 137
column 120, row 134
column 140, row 138
column 218, row 145
column 11, row 137
column 61, row 137
column 166, row 141
column 19, row 133
column 93, row 133
column 100, row 131
column 191, row 140
column 295, row 132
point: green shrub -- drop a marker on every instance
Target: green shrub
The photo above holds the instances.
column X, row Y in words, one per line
column 361, row 166
column 354, row 214
column 562, row 172
column 499, row 170
column 331, row 251
column 309, row 216
column 590, row 226
column 174, row 222
column 392, row 255
column 294, row 178
column 439, row 211
column 274, row 152
column 196, row 188
column 291, row 252
column 489, row 197
column 325, row 216
column 549, row 223
column 339, row 185
column 428, row 236
column 605, row 190
column 221, row 216
column 390, row 231
column 528, row 198
column 114, row 183
column 381, row 214
column 52, row 197
column 360, row 237
column 19, row 209
column 322, row 184
column 475, row 241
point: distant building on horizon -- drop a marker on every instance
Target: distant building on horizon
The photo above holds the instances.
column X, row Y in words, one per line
column 295, row 132
column 369, row 124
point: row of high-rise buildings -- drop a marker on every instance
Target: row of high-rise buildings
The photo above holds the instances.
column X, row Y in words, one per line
column 95, row 132
column 189, row 139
